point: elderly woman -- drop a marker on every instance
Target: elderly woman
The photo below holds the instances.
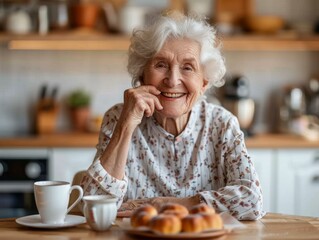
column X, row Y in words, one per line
column 165, row 143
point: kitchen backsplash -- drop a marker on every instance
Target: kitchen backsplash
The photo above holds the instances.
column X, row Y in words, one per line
column 103, row 74
column 22, row 73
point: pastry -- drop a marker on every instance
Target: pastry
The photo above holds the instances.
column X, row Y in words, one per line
column 201, row 208
column 179, row 214
column 212, row 221
column 193, row 223
column 165, row 224
column 142, row 215
column 174, row 207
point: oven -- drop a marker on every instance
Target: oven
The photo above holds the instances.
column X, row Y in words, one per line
column 19, row 169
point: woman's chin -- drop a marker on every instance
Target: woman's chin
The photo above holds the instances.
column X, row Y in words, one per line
column 171, row 113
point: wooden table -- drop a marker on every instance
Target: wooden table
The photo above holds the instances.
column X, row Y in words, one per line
column 272, row 226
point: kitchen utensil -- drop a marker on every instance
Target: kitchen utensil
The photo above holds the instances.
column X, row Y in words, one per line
column 47, row 110
column 313, row 98
column 264, row 24
column 292, row 107
column 18, row 22
column 58, row 14
column 43, row 20
column 238, row 9
column 236, row 100
column 244, row 110
column 84, row 14
column 237, row 87
column 131, row 17
column 201, row 7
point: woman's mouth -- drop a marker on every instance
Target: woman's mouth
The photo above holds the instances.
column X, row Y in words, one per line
column 172, row 95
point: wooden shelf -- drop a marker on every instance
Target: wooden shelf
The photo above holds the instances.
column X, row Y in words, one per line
column 90, row 140
column 79, row 41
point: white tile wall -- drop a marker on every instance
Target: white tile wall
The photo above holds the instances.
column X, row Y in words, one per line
column 103, row 74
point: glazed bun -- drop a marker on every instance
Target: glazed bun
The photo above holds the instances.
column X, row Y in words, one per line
column 212, row 221
column 193, row 223
column 142, row 215
column 177, row 208
column 202, row 208
column 141, row 219
column 148, row 209
column 165, row 224
column 178, row 214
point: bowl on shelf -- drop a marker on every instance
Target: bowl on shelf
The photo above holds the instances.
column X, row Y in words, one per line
column 266, row 24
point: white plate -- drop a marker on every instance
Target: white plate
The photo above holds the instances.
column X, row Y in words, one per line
column 35, row 221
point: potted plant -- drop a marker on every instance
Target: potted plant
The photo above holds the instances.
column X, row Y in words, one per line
column 79, row 103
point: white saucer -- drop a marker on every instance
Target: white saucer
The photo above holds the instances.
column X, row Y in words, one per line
column 35, row 221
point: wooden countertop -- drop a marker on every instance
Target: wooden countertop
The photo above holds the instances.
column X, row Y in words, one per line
column 272, row 226
column 88, row 140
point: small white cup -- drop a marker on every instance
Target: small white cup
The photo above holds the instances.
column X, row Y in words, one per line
column 52, row 199
column 100, row 211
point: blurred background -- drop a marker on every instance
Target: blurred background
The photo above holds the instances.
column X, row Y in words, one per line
column 63, row 64
column 81, row 45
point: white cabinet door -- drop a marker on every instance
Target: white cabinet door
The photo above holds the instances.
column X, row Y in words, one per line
column 307, row 191
column 263, row 160
column 298, row 186
column 65, row 162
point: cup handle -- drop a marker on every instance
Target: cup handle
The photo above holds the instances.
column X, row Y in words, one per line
column 75, row 187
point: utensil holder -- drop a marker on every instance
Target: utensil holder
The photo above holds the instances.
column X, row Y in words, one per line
column 46, row 117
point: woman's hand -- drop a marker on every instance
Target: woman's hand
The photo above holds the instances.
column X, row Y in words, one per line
column 139, row 102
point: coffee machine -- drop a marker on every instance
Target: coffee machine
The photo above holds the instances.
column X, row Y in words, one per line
column 236, row 99
column 292, row 107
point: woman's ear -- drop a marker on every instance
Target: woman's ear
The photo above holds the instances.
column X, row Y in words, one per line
column 204, row 87
column 141, row 80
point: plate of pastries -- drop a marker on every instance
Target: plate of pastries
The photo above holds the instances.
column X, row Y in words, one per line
column 176, row 221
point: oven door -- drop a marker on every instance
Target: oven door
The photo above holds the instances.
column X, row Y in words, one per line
column 18, row 172
column 16, row 199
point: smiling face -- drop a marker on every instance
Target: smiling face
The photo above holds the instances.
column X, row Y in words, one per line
column 176, row 71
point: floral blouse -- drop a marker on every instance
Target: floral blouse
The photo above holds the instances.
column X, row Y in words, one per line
column 208, row 158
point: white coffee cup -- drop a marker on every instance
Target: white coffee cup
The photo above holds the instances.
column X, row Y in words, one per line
column 100, row 211
column 52, row 199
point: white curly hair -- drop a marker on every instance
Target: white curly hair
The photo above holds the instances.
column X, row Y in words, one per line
column 147, row 41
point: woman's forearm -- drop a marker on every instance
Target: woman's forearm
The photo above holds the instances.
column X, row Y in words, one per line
column 114, row 157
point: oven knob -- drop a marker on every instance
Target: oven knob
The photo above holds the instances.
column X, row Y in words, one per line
column 33, row 170
column 1, row 168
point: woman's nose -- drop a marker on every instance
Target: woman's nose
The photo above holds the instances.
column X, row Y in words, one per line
column 173, row 77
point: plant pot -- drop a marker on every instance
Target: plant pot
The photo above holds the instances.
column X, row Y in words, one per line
column 80, row 118
column 84, row 15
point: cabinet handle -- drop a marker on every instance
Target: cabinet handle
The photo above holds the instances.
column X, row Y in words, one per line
column 315, row 179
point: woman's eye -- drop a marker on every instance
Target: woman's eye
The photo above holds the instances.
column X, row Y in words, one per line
column 161, row 65
column 187, row 68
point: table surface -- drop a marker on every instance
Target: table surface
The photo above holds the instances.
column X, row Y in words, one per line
column 272, row 226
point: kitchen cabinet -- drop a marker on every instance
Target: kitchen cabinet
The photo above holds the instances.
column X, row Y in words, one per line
column 289, row 179
column 263, row 160
column 65, row 162
column 298, row 181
